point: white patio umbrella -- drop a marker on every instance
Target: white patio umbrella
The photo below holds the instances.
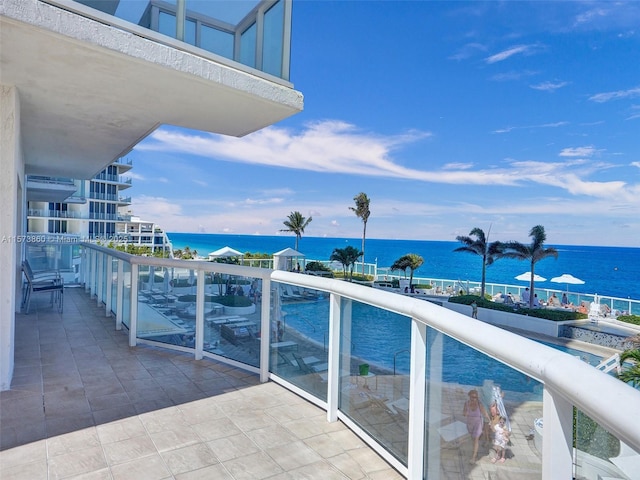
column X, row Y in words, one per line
column 568, row 279
column 225, row 252
column 526, row 277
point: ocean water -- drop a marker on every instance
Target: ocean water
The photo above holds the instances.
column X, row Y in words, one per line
column 609, row 271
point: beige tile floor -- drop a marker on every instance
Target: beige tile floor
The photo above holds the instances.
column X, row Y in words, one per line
column 84, row 405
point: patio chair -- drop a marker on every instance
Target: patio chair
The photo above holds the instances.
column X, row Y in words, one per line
column 50, row 282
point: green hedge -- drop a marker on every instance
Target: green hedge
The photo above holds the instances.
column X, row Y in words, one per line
column 634, row 319
column 234, row 301
column 554, row 315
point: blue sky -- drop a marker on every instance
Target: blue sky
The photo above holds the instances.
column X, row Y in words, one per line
column 449, row 115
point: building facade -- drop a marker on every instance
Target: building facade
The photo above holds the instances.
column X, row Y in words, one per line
column 81, row 86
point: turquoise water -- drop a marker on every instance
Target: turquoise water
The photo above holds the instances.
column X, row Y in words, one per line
column 380, row 338
column 610, row 271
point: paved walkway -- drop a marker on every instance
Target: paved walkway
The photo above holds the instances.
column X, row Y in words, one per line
column 84, row 405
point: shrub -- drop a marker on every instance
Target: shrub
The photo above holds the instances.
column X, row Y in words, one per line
column 423, row 286
column 316, row 267
column 234, row 301
column 634, row 319
column 553, row 315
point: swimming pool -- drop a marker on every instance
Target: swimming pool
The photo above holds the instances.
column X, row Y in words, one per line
column 382, row 339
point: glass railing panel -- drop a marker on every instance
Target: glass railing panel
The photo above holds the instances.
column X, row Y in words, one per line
column 163, row 315
column 217, row 41
column 467, row 393
column 113, row 271
column 232, row 317
column 273, row 39
column 374, row 378
column 212, row 26
column 126, row 295
column 299, row 337
column 248, row 46
column 599, row 454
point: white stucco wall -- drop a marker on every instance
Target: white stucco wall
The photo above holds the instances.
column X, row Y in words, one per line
column 11, row 199
column 510, row 320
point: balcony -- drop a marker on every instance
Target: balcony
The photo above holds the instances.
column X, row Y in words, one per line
column 49, row 189
column 84, row 79
column 315, row 337
column 82, row 402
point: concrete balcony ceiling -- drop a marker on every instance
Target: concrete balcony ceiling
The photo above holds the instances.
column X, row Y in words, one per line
column 89, row 92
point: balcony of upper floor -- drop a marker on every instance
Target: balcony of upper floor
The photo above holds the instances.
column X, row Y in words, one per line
column 120, row 180
column 49, row 189
column 124, row 164
column 93, row 85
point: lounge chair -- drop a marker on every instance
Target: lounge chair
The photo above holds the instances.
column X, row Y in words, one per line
column 49, row 282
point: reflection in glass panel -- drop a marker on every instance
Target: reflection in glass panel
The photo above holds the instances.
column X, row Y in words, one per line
column 601, row 455
column 464, row 387
column 232, row 317
column 190, row 32
column 113, row 265
column 248, row 46
column 126, row 295
column 166, row 305
column 216, row 41
column 298, row 337
column 273, row 39
column 167, row 24
column 374, row 379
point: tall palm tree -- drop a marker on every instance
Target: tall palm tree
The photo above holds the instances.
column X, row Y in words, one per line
column 296, row 223
column 480, row 246
column 412, row 261
column 347, row 256
column 533, row 252
column 362, row 211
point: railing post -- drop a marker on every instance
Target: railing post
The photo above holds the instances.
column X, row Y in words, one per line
column 557, row 442
column 199, row 340
column 108, row 265
column 133, row 321
column 120, row 295
column 417, row 379
column 100, row 277
column 265, row 330
column 333, row 378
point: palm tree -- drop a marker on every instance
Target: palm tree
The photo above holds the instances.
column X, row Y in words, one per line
column 533, row 252
column 362, row 211
column 296, row 223
column 480, row 246
column 347, row 256
column 412, row 261
column 630, row 374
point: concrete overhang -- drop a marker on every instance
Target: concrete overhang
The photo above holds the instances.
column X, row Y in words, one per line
column 43, row 189
column 89, row 92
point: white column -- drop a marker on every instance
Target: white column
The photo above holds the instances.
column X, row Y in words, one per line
column 265, row 331
column 12, row 187
column 199, row 315
column 99, row 276
column 557, row 441
column 108, row 267
column 133, row 321
column 333, row 379
column 120, row 295
column 415, row 453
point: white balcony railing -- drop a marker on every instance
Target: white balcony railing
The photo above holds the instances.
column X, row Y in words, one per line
column 315, row 336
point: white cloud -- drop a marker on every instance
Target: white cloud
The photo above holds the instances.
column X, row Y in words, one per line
column 544, row 125
column 606, row 96
column 200, row 182
column 549, row 86
column 468, row 51
column 588, row 151
column 457, row 166
column 513, row 75
column 635, row 164
column 515, row 50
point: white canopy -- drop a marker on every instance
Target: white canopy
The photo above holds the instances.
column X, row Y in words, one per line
column 288, row 252
column 567, row 278
column 225, row 252
column 282, row 260
column 526, row 277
